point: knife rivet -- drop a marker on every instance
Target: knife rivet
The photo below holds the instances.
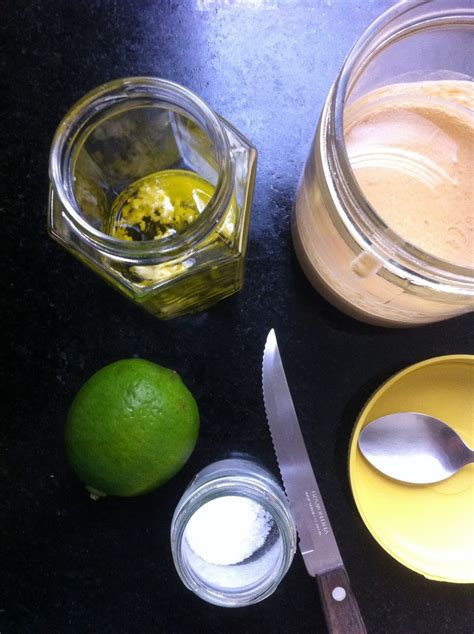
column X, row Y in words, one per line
column 338, row 594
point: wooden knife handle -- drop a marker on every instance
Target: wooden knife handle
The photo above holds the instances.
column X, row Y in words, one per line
column 339, row 604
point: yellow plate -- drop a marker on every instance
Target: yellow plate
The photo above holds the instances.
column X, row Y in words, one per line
column 428, row 528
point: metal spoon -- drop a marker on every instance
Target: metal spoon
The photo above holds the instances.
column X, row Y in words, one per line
column 414, row 448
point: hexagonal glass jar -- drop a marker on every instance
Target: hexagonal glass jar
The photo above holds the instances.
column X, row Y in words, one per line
column 126, row 130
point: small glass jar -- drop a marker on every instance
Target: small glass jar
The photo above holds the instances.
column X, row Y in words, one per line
column 256, row 577
column 345, row 248
column 122, row 132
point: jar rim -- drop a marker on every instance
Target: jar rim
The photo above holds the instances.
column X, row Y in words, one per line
column 101, row 99
column 375, row 38
column 251, row 486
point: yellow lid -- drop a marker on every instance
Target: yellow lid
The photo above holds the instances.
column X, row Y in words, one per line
column 428, row 528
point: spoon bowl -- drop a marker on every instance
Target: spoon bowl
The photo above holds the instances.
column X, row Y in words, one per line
column 414, row 448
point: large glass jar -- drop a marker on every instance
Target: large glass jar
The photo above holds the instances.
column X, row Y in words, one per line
column 355, row 258
column 122, row 132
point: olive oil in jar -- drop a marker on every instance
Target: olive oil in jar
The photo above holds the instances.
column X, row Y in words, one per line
column 159, row 205
column 165, row 204
column 161, row 194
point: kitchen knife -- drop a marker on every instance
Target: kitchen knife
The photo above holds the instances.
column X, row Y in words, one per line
column 316, row 538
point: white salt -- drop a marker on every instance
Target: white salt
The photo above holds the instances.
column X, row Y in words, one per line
column 228, row 530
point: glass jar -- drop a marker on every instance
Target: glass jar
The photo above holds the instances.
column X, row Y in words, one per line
column 257, row 576
column 126, row 130
column 347, row 251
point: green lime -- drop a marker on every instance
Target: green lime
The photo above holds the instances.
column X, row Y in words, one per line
column 130, row 428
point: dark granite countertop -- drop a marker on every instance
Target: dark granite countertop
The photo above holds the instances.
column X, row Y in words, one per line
column 68, row 564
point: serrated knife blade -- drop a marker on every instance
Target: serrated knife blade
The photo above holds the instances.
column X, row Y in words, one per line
column 316, row 538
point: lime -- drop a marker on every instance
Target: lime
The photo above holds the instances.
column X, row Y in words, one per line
column 130, row 428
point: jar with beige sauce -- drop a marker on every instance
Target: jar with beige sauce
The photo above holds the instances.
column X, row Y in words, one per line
column 383, row 224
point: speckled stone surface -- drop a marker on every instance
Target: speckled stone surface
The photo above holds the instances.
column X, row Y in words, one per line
column 68, row 564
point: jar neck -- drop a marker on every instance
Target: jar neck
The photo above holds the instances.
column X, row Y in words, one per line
column 96, row 107
column 357, row 214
